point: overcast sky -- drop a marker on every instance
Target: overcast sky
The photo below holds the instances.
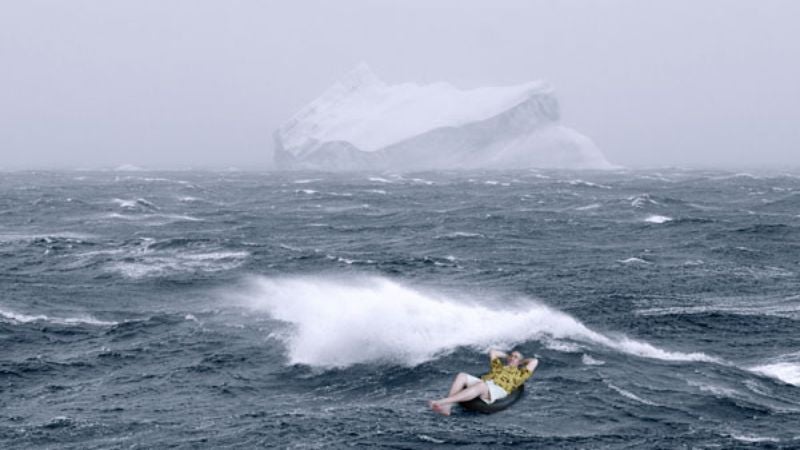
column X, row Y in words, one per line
column 204, row 83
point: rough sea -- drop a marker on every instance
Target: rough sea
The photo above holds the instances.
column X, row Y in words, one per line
column 310, row 310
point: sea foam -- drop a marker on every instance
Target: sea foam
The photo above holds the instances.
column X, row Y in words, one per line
column 788, row 372
column 657, row 219
column 15, row 317
column 345, row 321
column 631, row 395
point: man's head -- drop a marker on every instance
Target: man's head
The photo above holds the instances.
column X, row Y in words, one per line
column 514, row 358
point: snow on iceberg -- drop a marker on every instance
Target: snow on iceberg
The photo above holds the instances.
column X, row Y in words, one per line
column 362, row 123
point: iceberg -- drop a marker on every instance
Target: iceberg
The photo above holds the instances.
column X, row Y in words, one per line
column 363, row 123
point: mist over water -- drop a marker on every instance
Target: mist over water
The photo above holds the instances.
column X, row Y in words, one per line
column 308, row 309
column 669, row 82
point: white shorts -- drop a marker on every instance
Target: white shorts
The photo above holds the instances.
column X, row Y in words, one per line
column 495, row 391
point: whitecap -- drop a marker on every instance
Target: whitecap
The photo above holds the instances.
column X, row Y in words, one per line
column 122, row 216
column 48, row 238
column 634, row 260
column 128, row 204
column 655, row 218
column 177, row 217
column 460, row 234
column 736, row 175
column 788, row 372
column 290, row 247
column 214, row 256
column 751, row 438
column 147, row 263
column 152, row 219
column 379, row 180
column 589, row 361
column 588, row 184
column 638, row 201
column 14, row 317
column 743, row 306
column 719, row 391
column 631, row 395
column 433, row 440
column 165, row 180
column 562, row 346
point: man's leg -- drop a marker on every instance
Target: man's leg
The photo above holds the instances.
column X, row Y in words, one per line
column 444, row 405
column 459, row 383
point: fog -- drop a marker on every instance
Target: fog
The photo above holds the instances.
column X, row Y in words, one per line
column 196, row 83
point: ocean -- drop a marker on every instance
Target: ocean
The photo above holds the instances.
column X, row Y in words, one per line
column 231, row 309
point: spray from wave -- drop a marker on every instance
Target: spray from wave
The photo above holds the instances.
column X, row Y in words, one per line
column 340, row 322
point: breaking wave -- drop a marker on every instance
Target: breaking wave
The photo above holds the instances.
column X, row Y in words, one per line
column 345, row 321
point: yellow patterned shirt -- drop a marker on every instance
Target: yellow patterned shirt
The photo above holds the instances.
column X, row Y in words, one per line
column 507, row 377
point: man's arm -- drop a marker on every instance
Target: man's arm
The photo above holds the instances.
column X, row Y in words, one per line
column 496, row 354
column 531, row 364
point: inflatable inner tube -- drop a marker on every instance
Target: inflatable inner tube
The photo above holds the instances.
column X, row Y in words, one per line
column 476, row 404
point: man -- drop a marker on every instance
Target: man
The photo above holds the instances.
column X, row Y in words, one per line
column 498, row 383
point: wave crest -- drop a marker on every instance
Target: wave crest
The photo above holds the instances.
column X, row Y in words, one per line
column 340, row 322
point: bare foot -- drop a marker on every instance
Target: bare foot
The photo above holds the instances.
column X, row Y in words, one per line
column 439, row 408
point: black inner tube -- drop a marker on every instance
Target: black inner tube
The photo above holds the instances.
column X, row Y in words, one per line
column 476, row 404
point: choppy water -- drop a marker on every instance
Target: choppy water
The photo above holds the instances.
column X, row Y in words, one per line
column 191, row 309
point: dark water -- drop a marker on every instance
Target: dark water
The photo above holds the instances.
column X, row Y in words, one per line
column 199, row 309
